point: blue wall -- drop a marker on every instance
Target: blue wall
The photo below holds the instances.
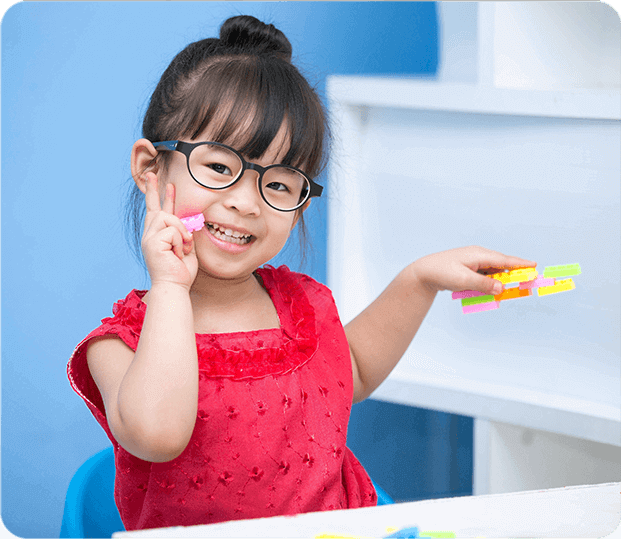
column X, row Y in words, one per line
column 76, row 78
column 413, row 453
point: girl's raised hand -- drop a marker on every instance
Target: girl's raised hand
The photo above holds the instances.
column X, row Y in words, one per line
column 167, row 245
column 465, row 269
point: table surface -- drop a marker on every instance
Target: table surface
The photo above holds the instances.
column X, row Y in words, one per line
column 576, row 511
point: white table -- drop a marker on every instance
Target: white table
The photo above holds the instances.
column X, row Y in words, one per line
column 582, row 511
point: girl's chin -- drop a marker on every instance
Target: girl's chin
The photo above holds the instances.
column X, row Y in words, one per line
column 210, row 270
column 224, row 260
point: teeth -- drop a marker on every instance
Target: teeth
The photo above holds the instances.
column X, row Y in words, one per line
column 228, row 231
column 229, row 235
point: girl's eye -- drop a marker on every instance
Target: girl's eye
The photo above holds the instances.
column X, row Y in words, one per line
column 220, row 168
column 277, row 186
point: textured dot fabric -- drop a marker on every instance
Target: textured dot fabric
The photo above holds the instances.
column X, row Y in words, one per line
column 271, row 426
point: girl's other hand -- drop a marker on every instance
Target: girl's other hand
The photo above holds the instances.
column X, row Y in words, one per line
column 466, row 269
column 167, row 245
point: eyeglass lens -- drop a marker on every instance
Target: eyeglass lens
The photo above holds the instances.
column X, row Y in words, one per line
column 217, row 167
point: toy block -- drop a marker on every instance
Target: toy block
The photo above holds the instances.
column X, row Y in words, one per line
column 560, row 286
column 466, row 294
column 476, row 300
column 530, row 283
column 481, row 307
column 512, row 293
column 515, row 276
column 536, row 283
column 502, row 276
column 405, row 533
column 194, row 222
column 562, row 271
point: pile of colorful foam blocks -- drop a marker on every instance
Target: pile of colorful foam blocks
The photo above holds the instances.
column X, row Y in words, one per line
column 530, row 283
column 404, row 533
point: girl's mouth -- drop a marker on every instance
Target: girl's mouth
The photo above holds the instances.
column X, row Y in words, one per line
column 228, row 235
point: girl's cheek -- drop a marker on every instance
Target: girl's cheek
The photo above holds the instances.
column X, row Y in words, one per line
column 190, row 205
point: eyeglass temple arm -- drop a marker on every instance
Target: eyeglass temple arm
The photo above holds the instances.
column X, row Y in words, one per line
column 170, row 145
column 316, row 189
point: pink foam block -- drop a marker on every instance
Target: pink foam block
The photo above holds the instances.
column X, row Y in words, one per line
column 481, row 307
column 194, row 222
column 536, row 283
column 466, row 294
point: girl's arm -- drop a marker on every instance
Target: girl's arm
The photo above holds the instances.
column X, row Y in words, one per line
column 379, row 336
column 150, row 397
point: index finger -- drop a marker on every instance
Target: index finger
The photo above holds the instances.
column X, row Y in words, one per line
column 169, row 199
column 151, row 196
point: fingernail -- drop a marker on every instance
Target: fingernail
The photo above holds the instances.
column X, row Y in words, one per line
column 497, row 288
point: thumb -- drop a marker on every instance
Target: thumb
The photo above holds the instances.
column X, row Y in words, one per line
column 488, row 286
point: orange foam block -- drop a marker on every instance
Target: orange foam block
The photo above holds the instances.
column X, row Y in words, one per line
column 512, row 293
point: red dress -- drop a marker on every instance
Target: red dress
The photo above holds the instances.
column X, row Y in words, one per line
column 273, row 408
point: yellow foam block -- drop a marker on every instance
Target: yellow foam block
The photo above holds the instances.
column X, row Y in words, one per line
column 560, row 286
column 516, row 276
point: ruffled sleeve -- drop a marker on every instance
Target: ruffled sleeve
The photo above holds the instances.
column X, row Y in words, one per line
column 126, row 324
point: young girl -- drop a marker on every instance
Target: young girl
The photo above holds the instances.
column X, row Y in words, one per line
column 226, row 388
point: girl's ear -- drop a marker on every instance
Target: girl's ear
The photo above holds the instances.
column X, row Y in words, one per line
column 143, row 161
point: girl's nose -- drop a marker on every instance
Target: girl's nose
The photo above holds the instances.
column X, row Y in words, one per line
column 244, row 196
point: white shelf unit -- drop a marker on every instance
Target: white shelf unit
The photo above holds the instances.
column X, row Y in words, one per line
column 421, row 166
column 515, row 146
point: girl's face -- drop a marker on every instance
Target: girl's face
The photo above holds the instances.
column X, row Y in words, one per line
column 239, row 210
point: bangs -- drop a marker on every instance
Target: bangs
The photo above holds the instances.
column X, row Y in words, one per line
column 243, row 101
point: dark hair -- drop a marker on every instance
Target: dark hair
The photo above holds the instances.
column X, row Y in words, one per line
column 243, row 87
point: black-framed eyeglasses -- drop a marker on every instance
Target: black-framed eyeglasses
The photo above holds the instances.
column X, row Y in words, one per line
column 217, row 166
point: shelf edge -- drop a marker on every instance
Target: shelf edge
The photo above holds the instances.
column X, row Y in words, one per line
column 597, row 104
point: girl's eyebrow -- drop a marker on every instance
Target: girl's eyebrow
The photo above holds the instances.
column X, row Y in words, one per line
column 222, row 151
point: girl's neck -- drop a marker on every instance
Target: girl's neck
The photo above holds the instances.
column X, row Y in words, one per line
column 217, row 293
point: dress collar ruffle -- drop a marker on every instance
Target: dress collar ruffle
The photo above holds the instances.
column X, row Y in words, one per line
column 251, row 354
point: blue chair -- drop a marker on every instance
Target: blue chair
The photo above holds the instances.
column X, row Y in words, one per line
column 90, row 510
column 382, row 497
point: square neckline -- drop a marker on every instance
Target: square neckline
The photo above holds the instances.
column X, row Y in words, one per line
column 280, row 330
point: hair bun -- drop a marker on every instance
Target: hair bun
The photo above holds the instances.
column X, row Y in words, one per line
column 245, row 33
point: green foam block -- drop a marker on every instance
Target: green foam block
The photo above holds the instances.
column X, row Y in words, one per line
column 477, row 300
column 566, row 270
